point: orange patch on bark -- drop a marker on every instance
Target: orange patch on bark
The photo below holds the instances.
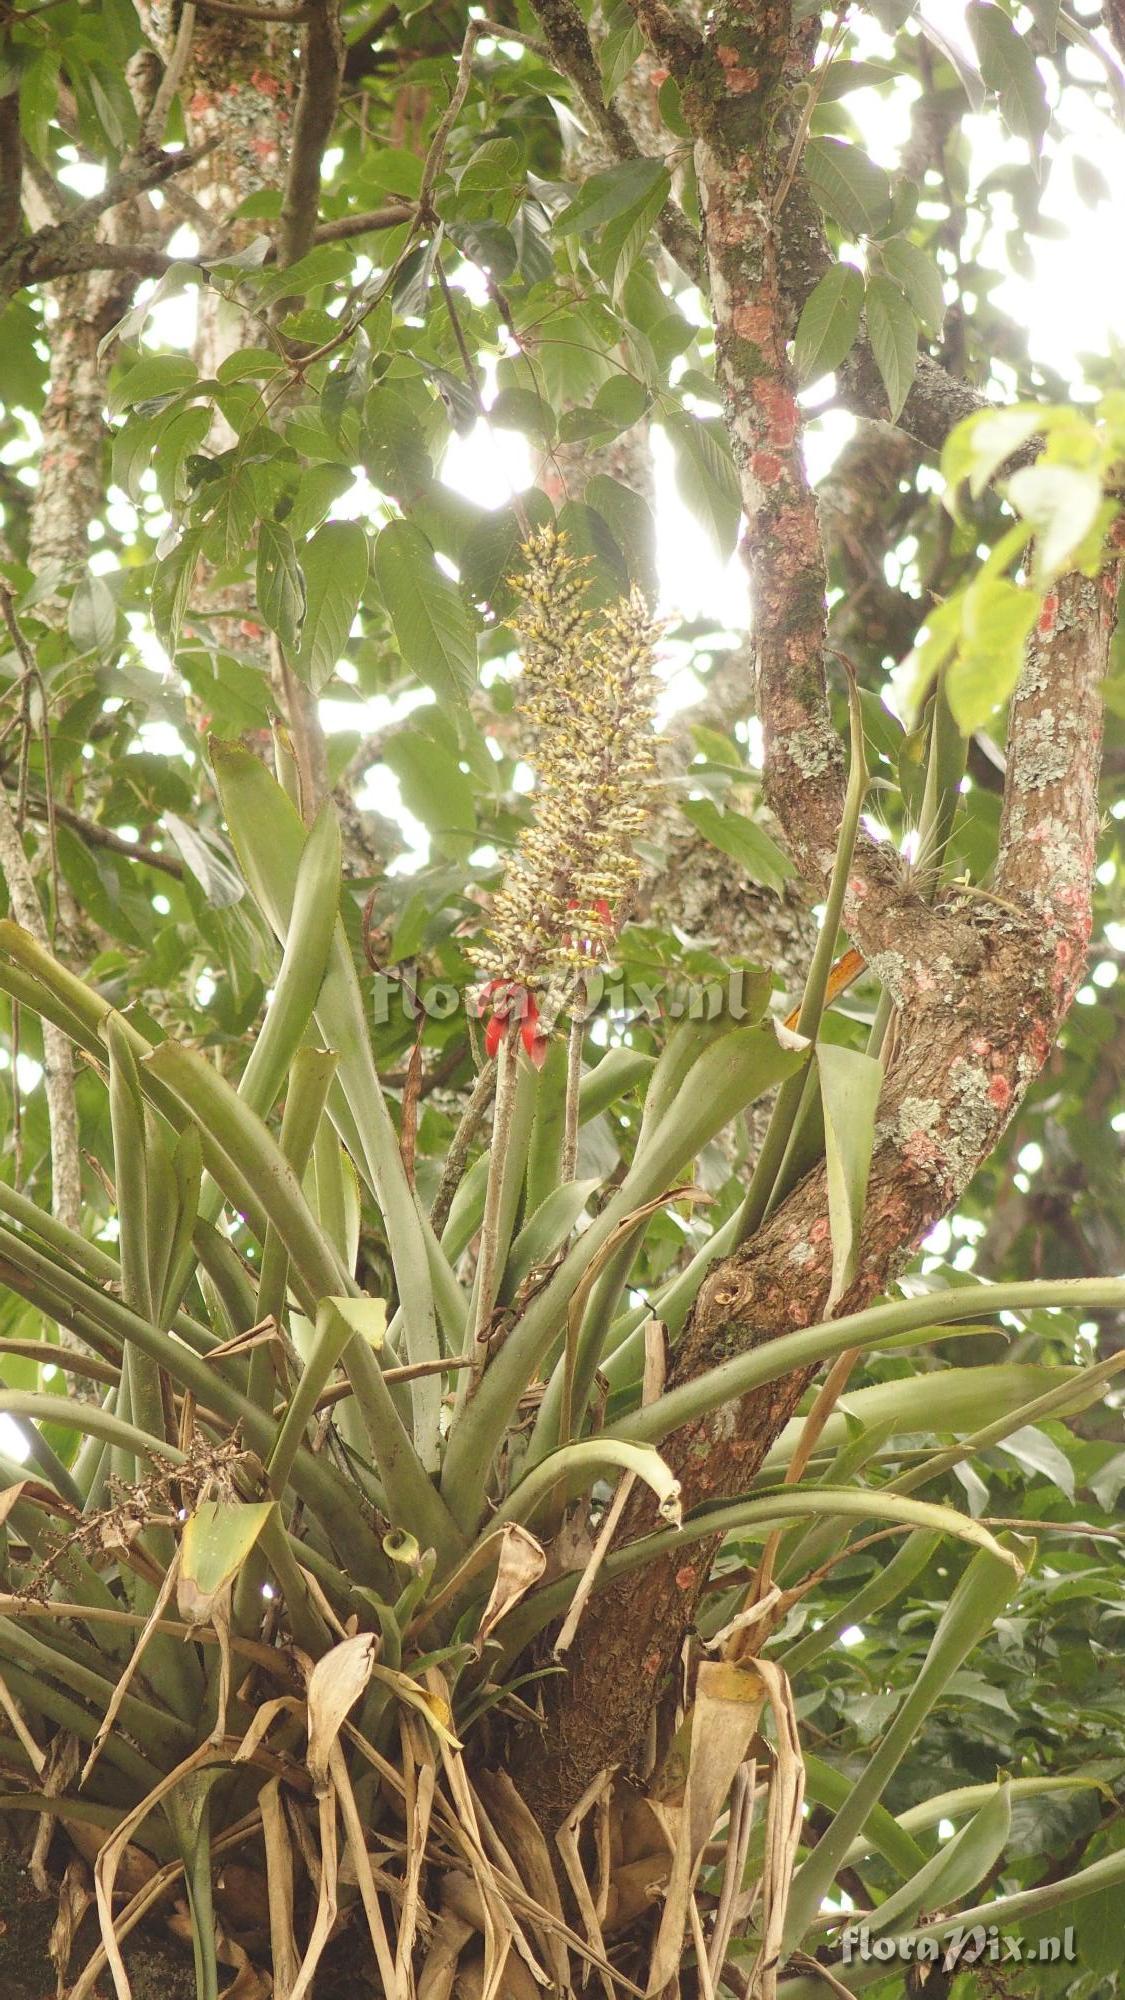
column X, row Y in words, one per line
column 754, row 322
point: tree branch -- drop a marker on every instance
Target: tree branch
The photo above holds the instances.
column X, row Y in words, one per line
column 153, row 128
column 322, row 66
column 572, row 54
column 96, row 835
column 253, row 14
column 52, row 250
column 11, row 169
column 1049, row 826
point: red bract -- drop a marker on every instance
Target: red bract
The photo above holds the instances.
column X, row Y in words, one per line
column 500, row 998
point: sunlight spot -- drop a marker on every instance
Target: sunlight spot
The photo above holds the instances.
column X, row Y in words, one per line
column 12, row 1439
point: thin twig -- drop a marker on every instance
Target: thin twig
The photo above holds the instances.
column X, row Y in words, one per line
column 435, row 158
column 364, row 223
column 572, row 54
column 57, row 248
column 456, row 1158
column 264, row 14
column 94, row 835
column 171, row 80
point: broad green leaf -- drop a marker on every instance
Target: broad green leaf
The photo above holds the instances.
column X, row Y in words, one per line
column 1009, row 68
column 829, row 322
column 590, row 539
column 269, row 839
column 997, row 620
column 280, row 585
column 1062, row 503
column 850, row 1083
column 746, row 843
column 630, row 521
column 230, row 524
column 335, row 570
column 547, row 1230
column 209, row 860
column 431, row 623
column 893, row 332
column 966, row 71
column 324, row 264
column 899, row 1321
column 828, row 1786
column 171, row 588
column 154, row 377
column 945, row 1402
column 978, row 445
column 1038, row 1453
column 255, row 1157
column 177, row 438
column 955, row 1870
column 622, row 401
column 1046, row 13
column 434, row 789
column 618, row 1071
column 847, row 184
column 920, row 279
column 890, row 1582
column 490, row 557
column 618, row 49
column 841, row 78
column 493, row 168
column 620, row 242
column 308, row 944
column 393, row 445
column 336, row 1326
column 607, row 195
column 92, row 617
column 218, row 1537
column 590, row 1458
column 706, row 476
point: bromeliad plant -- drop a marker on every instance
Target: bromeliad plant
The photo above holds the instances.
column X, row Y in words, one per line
column 284, row 1601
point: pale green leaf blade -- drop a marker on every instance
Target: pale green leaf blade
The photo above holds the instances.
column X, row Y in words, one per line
column 218, row 1537
column 280, row 584
column 829, row 322
column 847, row 184
column 432, row 624
column 893, row 332
column 920, row 279
column 850, row 1083
column 1009, row 68
column 334, row 563
column 706, row 477
column 607, row 195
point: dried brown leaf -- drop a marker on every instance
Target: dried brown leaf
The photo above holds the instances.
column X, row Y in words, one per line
column 728, row 1705
column 335, row 1685
column 521, row 1565
column 75, row 1897
column 279, row 1880
column 451, row 1933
